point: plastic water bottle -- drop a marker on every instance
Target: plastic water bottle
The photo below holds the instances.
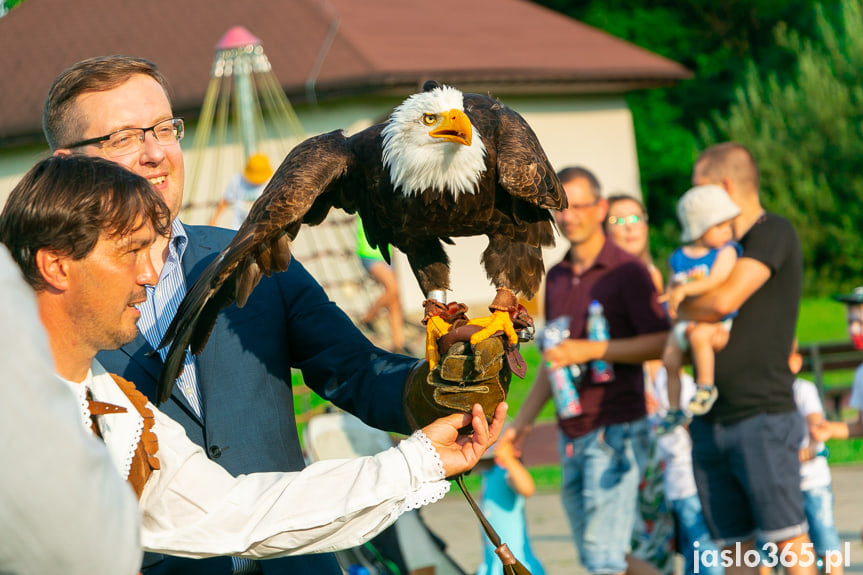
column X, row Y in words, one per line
column 563, row 380
column 597, row 330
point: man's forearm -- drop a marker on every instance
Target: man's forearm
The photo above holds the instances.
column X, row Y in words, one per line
column 700, row 308
column 636, row 349
column 747, row 277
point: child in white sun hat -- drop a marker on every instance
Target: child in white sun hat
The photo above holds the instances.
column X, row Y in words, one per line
column 704, row 262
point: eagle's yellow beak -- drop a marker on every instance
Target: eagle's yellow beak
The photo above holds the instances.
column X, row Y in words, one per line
column 455, row 127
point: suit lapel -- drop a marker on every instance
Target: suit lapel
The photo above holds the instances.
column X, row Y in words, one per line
column 199, row 252
column 142, row 354
column 202, row 249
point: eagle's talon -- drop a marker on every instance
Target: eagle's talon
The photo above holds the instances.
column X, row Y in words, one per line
column 498, row 321
column 432, row 308
column 522, row 323
column 436, row 326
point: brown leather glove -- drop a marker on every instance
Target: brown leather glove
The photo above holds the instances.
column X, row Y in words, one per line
column 466, row 375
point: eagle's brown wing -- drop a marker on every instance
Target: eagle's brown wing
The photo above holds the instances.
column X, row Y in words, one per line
column 513, row 258
column 523, row 169
column 261, row 246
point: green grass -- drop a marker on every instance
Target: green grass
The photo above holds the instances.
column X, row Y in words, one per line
column 845, row 451
column 518, row 388
column 821, row 319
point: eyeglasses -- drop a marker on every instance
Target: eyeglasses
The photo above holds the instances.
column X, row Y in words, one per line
column 129, row 140
column 623, row 220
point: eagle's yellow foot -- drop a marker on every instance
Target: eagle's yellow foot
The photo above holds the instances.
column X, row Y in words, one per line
column 439, row 319
column 436, row 326
column 497, row 321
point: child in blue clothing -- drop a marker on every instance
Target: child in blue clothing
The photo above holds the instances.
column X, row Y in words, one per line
column 704, row 262
column 506, row 483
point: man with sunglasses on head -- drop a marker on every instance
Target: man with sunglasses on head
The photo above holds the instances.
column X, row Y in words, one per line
column 235, row 398
column 604, row 444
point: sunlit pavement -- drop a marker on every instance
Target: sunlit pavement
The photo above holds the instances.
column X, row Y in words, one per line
column 454, row 522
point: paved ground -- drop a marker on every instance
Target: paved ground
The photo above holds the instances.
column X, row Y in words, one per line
column 453, row 521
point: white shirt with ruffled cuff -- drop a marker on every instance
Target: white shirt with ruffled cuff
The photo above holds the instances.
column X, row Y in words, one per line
column 193, row 507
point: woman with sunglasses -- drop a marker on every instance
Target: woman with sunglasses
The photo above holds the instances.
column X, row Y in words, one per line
column 626, row 226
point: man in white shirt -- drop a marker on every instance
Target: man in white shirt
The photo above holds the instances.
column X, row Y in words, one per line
column 65, row 507
column 81, row 229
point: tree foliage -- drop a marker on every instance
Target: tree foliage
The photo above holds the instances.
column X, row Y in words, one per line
column 807, row 132
column 778, row 76
column 6, row 5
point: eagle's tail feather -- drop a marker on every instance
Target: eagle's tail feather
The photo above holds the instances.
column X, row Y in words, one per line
column 229, row 278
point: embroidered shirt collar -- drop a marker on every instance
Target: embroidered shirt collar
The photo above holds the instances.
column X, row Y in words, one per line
column 121, row 432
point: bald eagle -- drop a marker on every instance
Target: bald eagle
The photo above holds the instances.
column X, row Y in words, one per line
column 445, row 164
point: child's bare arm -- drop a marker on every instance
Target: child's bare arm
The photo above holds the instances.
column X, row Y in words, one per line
column 517, row 476
column 813, row 421
column 838, row 429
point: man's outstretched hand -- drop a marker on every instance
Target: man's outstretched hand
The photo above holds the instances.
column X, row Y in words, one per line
column 459, row 453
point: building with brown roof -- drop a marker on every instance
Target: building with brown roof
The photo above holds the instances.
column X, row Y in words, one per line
column 345, row 64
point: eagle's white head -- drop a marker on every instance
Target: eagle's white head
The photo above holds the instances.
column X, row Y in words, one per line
column 429, row 143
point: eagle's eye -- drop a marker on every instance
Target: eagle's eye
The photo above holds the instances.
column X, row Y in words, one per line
column 429, row 119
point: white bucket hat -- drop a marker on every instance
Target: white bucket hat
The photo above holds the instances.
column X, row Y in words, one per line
column 703, row 207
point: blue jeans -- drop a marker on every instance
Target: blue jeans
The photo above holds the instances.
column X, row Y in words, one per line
column 601, row 471
column 695, row 536
column 818, row 504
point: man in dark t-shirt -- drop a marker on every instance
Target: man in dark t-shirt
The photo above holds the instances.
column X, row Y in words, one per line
column 604, row 446
column 745, row 449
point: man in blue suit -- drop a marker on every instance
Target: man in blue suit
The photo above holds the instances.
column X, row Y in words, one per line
column 235, row 399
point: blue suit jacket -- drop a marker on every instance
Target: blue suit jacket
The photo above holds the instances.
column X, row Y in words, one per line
column 244, row 373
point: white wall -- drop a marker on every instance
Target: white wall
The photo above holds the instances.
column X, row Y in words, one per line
column 14, row 163
column 594, row 132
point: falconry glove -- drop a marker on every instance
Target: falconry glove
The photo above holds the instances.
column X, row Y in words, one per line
column 466, row 375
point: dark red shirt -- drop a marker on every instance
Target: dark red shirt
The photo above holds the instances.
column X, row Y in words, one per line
column 622, row 284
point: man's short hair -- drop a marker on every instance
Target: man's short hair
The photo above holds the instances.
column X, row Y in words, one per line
column 65, row 203
column 60, row 126
column 729, row 160
column 574, row 172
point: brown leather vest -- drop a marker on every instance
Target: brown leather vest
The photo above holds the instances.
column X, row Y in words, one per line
column 144, row 461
